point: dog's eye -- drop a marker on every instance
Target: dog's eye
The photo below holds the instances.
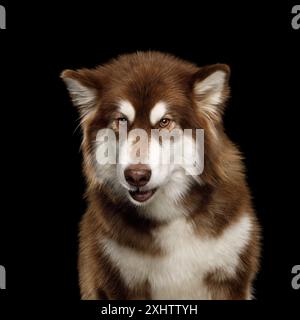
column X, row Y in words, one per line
column 122, row 119
column 164, row 122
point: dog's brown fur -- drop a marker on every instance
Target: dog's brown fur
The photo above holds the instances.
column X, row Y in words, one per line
column 144, row 79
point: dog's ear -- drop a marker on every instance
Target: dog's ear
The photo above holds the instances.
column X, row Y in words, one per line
column 211, row 89
column 84, row 86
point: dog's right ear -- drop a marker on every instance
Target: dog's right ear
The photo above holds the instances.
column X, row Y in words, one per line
column 84, row 86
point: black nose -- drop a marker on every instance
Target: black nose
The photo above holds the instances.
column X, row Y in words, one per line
column 137, row 175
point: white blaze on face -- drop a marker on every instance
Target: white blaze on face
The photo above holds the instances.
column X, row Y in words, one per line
column 134, row 149
column 137, row 139
column 165, row 152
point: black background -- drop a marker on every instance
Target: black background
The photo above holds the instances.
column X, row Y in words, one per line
column 42, row 185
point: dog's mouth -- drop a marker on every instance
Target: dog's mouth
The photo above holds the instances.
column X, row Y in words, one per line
column 142, row 196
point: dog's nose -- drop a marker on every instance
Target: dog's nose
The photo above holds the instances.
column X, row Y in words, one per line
column 137, row 175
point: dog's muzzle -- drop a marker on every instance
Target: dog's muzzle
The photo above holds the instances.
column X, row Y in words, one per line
column 138, row 176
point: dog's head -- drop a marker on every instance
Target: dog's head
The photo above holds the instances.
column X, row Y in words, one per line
column 159, row 94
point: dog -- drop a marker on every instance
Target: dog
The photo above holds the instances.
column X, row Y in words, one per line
column 152, row 230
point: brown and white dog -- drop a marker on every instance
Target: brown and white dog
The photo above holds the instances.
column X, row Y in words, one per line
column 151, row 231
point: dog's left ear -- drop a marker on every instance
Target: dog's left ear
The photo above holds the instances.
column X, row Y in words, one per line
column 211, row 89
column 84, row 86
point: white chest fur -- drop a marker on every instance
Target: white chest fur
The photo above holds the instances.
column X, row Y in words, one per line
column 179, row 273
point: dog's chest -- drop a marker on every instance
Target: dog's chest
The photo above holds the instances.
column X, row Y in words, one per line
column 180, row 272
